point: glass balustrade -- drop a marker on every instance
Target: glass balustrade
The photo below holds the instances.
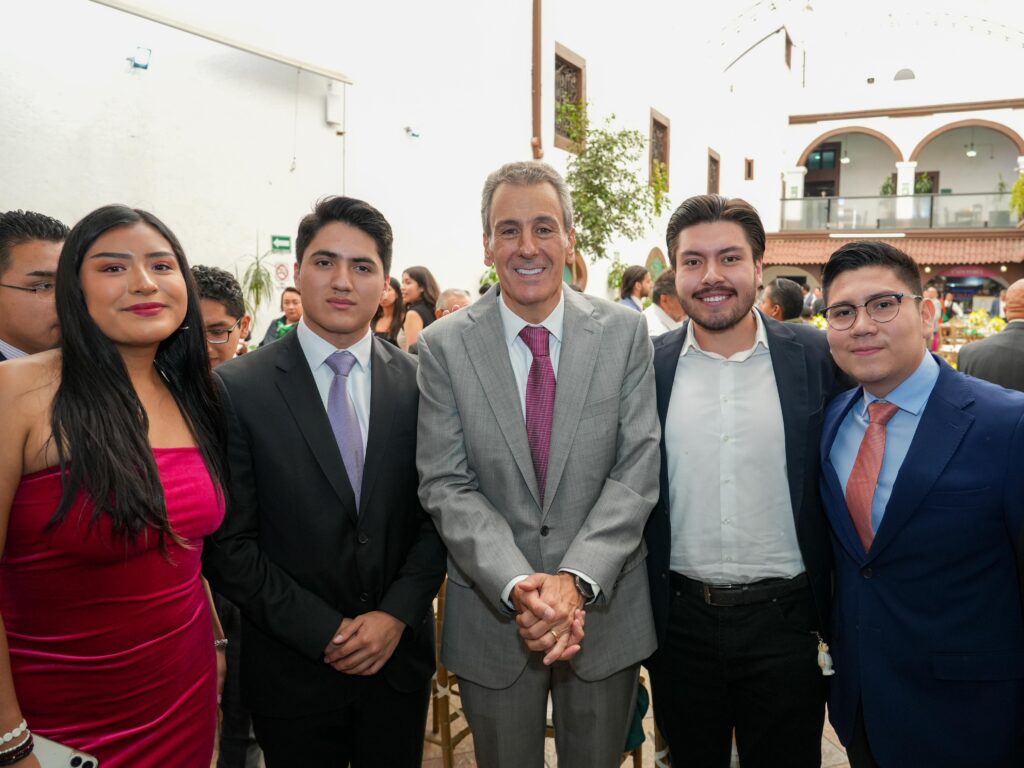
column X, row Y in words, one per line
column 939, row 211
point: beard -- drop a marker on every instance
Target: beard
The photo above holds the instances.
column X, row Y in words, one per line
column 713, row 318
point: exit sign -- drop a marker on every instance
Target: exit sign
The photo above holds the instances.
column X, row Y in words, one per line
column 280, row 243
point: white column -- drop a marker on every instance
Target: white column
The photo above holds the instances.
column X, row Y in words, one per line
column 793, row 213
column 904, row 187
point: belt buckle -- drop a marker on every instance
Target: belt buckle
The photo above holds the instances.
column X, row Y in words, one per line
column 707, row 591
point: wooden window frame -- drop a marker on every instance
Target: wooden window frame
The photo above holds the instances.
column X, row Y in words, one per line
column 717, row 159
column 573, row 59
column 658, row 117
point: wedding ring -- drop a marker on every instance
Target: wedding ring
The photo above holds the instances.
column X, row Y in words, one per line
column 554, row 635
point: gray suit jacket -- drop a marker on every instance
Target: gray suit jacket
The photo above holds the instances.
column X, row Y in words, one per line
column 477, row 482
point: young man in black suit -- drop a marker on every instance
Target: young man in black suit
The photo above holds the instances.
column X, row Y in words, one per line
column 325, row 547
column 739, row 558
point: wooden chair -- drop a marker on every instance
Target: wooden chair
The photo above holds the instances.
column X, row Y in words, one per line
column 443, row 687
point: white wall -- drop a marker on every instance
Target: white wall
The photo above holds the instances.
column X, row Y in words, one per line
column 206, row 137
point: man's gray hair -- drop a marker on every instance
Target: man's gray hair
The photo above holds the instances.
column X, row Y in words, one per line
column 445, row 299
column 523, row 173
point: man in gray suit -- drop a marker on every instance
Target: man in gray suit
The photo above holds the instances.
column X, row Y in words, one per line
column 538, row 460
column 1000, row 358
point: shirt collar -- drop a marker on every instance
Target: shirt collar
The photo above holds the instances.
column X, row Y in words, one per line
column 512, row 323
column 760, row 337
column 317, row 349
column 11, row 353
column 913, row 393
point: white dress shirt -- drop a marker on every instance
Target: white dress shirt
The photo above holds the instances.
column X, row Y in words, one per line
column 317, row 350
column 659, row 321
column 729, row 503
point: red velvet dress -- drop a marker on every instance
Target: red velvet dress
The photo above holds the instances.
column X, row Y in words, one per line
column 111, row 644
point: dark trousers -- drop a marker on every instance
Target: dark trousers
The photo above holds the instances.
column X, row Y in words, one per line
column 752, row 668
column 859, row 751
column 238, row 747
column 381, row 727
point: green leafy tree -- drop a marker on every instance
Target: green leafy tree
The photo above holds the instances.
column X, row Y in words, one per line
column 610, row 197
column 1017, row 197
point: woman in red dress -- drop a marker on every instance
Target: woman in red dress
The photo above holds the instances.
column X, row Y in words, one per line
column 111, row 469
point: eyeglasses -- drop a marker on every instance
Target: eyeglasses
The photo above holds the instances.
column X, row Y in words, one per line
column 42, row 290
column 881, row 309
column 220, row 335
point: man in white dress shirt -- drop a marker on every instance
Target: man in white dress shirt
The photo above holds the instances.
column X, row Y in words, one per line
column 665, row 313
column 739, row 560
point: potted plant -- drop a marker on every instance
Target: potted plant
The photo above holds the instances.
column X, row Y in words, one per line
column 257, row 283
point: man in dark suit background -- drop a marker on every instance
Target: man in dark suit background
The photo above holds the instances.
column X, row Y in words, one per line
column 325, row 548
column 739, row 560
column 1000, row 358
column 922, row 482
column 30, row 246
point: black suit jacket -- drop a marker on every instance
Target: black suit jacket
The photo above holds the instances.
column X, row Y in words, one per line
column 807, row 379
column 294, row 553
column 999, row 358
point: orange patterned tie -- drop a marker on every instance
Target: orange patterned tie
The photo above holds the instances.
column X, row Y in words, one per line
column 860, row 488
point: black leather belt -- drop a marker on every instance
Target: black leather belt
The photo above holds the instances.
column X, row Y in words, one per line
column 731, row 595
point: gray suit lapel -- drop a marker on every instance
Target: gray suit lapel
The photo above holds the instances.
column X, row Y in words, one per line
column 485, row 345
column 581, row 345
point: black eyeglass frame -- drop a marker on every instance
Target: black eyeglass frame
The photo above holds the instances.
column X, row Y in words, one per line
column 38, row 290
column 827, row 311
column 225, row 331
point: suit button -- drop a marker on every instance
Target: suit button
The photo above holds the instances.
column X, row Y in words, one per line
column 363, row 538
column 867, row 573
column 363, row 597
column 544, row 530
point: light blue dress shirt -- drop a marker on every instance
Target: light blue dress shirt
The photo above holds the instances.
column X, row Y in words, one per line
column 911, row 396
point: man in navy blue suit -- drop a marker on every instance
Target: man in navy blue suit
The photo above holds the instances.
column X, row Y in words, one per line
column 922, row 482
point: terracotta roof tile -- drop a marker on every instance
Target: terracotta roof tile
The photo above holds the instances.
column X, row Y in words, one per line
column 924, row 250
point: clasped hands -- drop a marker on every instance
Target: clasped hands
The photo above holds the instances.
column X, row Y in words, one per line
column 550, row 615
column 362, row 645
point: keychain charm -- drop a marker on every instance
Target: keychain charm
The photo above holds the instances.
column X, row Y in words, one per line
column 824, row 658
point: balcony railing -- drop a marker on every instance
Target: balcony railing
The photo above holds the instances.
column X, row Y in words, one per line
column 937, row 211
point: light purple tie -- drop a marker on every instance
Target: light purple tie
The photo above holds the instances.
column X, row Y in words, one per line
column 540, row 402
column 344, row 422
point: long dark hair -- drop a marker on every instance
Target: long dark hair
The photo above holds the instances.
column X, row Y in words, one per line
column 99, row 426
column 425, row 280
column 397, row 310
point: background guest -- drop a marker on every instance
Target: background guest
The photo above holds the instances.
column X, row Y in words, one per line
column 29, row 248
column 451, row 300
column 1000, row 358
column 665, row 313
column 420, row 292
column 291, row 305
column 387, row 323
column 782, row 300
column 636, row 286
column 225, row 324
column 111, row 468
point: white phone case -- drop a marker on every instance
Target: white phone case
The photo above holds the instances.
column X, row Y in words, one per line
column 50, row 754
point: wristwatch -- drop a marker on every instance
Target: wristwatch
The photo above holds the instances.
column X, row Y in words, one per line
column 584, row 588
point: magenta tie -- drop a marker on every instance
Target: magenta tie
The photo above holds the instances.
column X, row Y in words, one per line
column 540, row 402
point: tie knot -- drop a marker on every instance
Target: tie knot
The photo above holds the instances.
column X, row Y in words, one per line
column 536, row 338
column 341, row 362
column 880, row 412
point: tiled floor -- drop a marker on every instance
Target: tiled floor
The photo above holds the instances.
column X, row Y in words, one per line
column 832, row 753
